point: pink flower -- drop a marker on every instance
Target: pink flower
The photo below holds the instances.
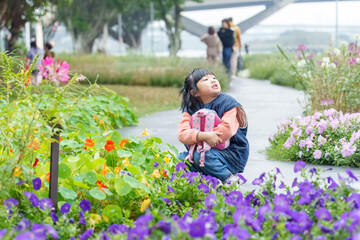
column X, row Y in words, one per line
column 351, row 47
column 317, row 154
column 301, row 48
column 348, row 150
column 352, row 62
column 55, row 71
column 330, row 101
column 324, row 102
column 310, row 56
column 289, row 142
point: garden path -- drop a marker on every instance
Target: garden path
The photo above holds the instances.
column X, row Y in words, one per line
column 265, row 104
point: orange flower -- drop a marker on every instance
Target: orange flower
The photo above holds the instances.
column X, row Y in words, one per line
column 36, row 162
column 117, row 170
column 34, row 144
column 101, row 122
column 101, row 185
column 48, row 177
column 109, row 145
column 11, row 151
column 17, row 172
column 105, row 170
column 155, row 173
column 89, row 142
column 95, row 117
column 60, row 139
column 123, row 142
column 145, row 132
column 163, row 172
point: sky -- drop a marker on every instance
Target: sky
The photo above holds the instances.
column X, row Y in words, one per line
column 293, row 14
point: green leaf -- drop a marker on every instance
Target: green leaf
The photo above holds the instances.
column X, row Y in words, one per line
column 81, row 184
column 133, row 170
column 67, row 193
column 99, row 161
column 112, row 213
column 100, row 142
column 107, row 191
column 79, row 178
column 135, row 140
column 116, row 137
column 138, row 158
column 123, row 153
column 145, row 188
column 157, row 139
column 97, row 194
column 90, row 177
column 64, row 171
column 70, row 143
column 73, row 159
column 133, row 182
column 121, row 187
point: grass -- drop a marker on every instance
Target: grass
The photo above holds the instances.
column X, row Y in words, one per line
column 145, row 100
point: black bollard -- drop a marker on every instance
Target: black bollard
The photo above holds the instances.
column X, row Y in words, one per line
column 54, row 170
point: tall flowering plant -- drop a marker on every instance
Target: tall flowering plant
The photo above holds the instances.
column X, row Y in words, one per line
column 55, row 71
column 332, row 80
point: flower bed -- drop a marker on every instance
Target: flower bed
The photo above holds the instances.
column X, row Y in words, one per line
column 310, row 208
column 328, row 137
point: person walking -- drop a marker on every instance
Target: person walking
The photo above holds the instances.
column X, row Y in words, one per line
column 226, row 36
column 34, row 50
column 236, row 48
column 213, row 44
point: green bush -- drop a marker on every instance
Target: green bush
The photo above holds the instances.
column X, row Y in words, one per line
column 270, row 67
column 141, row 70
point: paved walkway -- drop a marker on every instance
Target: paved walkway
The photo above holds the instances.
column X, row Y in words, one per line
column 265, row 104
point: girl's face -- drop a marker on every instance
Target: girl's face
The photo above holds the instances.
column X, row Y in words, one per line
column 225, row 25
column 208, row 88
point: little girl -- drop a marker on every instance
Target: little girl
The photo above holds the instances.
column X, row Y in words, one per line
column 202, row 90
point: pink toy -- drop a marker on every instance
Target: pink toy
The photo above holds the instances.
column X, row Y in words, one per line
column 204, row 120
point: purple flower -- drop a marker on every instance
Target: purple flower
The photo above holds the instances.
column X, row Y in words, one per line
column 197, row 228
column 164, row 226
column 180, row 166
column 23, row 224
column 168, row 202
column 86, row 234
column 259, row 180
column 301, row 222
column 242, row 178
column 333, row 184
column 36, row 183
column 46, row 203
column 234, row 198
column 33, row 198
column 210, row 201
column 301, row 48
column 25, row 236
column 322, row 214
column 2, row 233
column 156, row 164
column 65, row 208
column 85, row 205
column 11, row 202
column 313, row 170
column 281, row 203
column 117, row 229
column 170, row 189
column 204, row 188
column 299, row 165
column 294, row 184
column 317, row 154
column 20, row 182
column 296, row 237
column 71, row 220
column 54, row 217
column 351, row 174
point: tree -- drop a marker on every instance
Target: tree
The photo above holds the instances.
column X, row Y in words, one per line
column 169, row 11
column 15, row 13
column 86, row 19
column 134, row 21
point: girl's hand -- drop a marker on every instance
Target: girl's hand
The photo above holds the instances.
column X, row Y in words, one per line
column 212, row 138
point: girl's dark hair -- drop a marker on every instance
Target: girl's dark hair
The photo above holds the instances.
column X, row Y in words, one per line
column 189, row 101
column 211, row 30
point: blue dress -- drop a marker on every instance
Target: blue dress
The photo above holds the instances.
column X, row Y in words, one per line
column 231, row 160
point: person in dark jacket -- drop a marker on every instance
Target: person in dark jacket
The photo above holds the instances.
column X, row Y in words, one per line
column 226, row 36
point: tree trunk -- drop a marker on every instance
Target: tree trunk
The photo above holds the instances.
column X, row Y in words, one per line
column 16, row 24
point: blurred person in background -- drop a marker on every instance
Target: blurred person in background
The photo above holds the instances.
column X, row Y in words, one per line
column 34, row 50
column 47, row 47
column 236, row 48
column 213, row 44
column 226, row 36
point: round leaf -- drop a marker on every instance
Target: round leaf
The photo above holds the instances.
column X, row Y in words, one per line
column 121, row 187
column 67, row 193
column 64, row 171
column 97, row 194
column 90, row 177
column 111, row 213
column 134, row 183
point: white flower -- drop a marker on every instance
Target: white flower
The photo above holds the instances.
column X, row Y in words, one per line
column 344, row 43
column 337, row 51
column 357, row 60
column 332, row 65
column 357, row 37
column 301, row 63
column 326, row 60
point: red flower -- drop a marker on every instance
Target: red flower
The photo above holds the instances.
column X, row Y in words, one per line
column 89, row 142
column 110, row 145
column 36, row 162
column 48, row 177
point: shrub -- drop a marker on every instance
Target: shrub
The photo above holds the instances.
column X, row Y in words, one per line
column 334, row 79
